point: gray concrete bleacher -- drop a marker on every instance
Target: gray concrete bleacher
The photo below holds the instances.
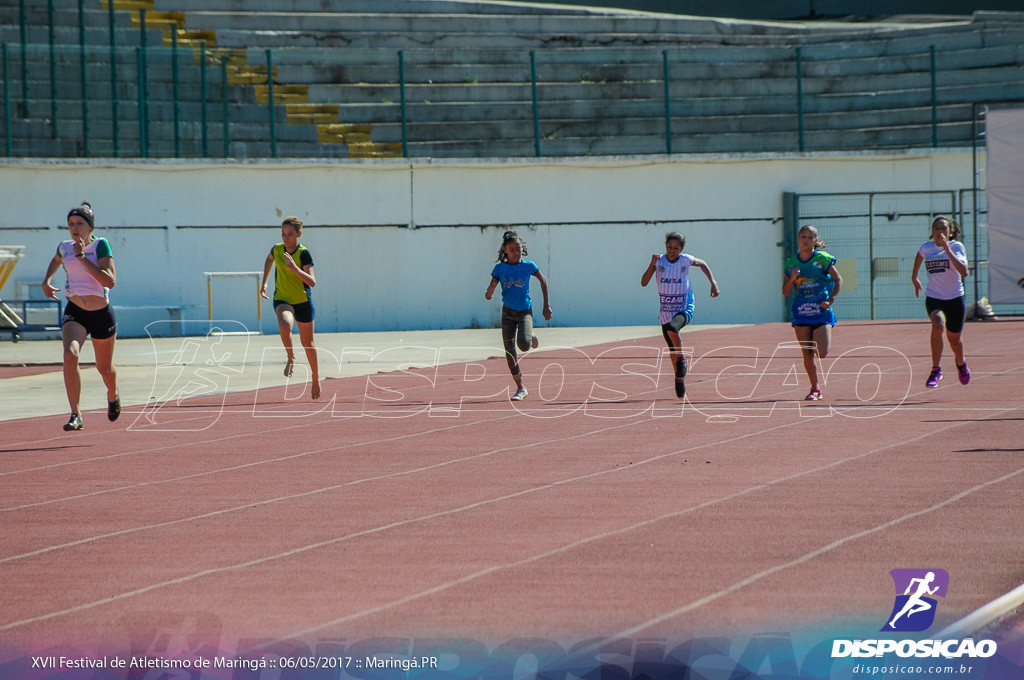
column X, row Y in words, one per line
column 866, row 97
column 459, row 7
column 37, row 16
column 468, row 90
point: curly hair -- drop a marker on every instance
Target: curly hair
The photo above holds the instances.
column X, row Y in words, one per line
column 510, row 237
column 676, row 236
column 951, row 224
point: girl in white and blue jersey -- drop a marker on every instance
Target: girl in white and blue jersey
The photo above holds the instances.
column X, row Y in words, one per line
column 676, row 295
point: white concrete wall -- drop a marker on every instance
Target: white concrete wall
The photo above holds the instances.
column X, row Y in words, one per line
column 403, row 246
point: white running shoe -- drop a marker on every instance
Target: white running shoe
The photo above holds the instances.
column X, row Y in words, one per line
column 520, row 394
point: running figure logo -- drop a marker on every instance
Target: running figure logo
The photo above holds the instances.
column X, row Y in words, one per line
column 914, row 609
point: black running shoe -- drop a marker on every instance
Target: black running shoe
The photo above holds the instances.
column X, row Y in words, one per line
column 114, row 408
column 680, row 377
column 74, row 424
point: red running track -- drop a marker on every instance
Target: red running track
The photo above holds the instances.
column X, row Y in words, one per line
column 423, row 503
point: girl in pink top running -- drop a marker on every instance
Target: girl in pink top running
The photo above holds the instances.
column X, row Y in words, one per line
column 89, row 265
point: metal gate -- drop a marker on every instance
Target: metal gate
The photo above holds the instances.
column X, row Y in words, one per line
column 875, row 237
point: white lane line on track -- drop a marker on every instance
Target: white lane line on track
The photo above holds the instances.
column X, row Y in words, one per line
column 754, row 578
column 484, row 572
column 197, row 475
column 649, row 522
column 312, row 492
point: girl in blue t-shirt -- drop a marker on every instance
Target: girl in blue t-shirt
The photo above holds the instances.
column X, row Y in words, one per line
column 812, row 275
column 513, row 272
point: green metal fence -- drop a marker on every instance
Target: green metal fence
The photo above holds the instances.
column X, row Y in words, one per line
column 875, row 237
column 173, row 101
column 99, row 102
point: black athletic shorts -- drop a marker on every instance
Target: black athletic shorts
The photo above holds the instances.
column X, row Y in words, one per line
column 100, row 323
column 954, row 310
column 304, row 311
column 676, row 324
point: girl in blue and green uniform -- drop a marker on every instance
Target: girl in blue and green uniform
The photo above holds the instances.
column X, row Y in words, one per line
column 293, row 299
column 811, row 274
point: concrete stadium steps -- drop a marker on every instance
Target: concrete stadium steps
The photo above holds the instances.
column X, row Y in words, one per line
column 271, row 38
column 311, row 114
column 852, row 110
column 246, row 141
column 101, row 113
column 68, row 104
column 37, row 15
column 961, row 37
column 170, row 23
column 344, row 133
column 746, row 134
column 101, row 116
column 167, row 22
column 753, row 95
column 776, row 141
column 129, row 5
column 461, row 56
column 365, row 6
column 159, row 82
column 695, row 28
column 372, row 150
column 322, row 65
column 46, row 147
column 283, row 94
column 682, row 125
column 98, row 81
column 920, row 62
column 519, row 72
column 603, row 145
column 162, row 129
column 875, row 41
column 389, row 22
column 967, row 37
column 95, row 36
column 469, row 90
